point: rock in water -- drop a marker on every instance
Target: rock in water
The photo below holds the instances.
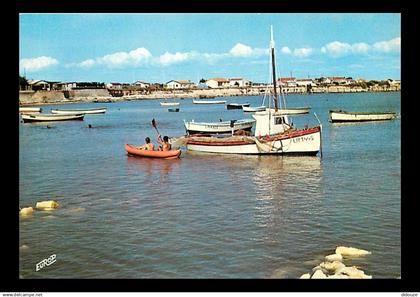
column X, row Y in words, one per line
column 334, row 257
column 26, row 211
column 350, row 251
column 353, row 272
column 318, row 275
column 332, row 267
column 47, row 205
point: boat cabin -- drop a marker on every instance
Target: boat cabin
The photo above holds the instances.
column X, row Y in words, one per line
column 270, row 123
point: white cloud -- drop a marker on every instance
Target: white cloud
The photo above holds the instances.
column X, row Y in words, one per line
column 241, row 50
column 36, row 64
column 338, row 49
column 285, row 50
column 168, row 58
column 87, row 63
column 393, row 45
column 119, row 59
column 360, row 48
column 302, row 52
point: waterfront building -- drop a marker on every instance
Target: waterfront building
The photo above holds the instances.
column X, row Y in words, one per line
column 179, row 84
column 239, row 82
column 217, row 82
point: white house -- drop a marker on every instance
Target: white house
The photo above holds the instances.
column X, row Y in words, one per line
column 39, row 85
column 239, row 82
column 179, row 84
column 287, row 81
column 142, row 84
column 305, row 82
column 217, row 82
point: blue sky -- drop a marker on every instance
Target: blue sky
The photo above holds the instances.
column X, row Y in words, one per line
column 160, row 47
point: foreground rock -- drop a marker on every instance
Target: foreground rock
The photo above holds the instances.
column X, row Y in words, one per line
column 350, row 251
column 26, row 211
column 47, row 205
column 334, row 268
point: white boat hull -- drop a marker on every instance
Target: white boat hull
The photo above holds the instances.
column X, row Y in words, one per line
column 169, row 103
column 78, row 111
column 341, row 116
column 253, row 109
column 51, row 117
column 293, row 111
column 209, row 101
column 220, row 127
column 29, row 109
column 302, row 142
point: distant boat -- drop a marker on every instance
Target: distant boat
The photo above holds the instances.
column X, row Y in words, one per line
column 169, row 103
column 173, row 109
column 29, row 109
column 79, row 111
column 253, row 109
column 209, row 101
column 236, row 105
column 51, row 117
column 293, row 110
column 218, row 127
column 345, row 116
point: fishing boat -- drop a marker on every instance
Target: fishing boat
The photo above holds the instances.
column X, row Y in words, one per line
column 173, row 109
column 169, row 103
column 221, row 127
column 273, row 133
column 79, row 111
column 345, row 116
column 134, row 151
column 51, row 117
column 236, row 105
column 29, row 109
column 209, row 101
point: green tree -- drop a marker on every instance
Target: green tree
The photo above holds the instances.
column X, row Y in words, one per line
column 23, row 82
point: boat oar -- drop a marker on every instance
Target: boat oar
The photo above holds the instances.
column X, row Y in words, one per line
column 154, row 126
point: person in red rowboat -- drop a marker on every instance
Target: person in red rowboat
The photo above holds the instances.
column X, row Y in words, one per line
column 165, row 145
column 147, row 146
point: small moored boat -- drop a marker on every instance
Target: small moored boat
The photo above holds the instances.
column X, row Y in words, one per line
column 51, row 117
column 29, row 109
column 344, row 116
column 236, row 105
column 169, row 103
column 79, row 111
column 293, row 110
column 173, row 109
column 134, row 151
column 218, row 127
column 253, row 109
column 209, row 101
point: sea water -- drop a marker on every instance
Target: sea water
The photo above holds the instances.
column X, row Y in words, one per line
column 205, row 215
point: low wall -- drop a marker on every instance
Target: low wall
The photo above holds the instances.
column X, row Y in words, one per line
column 40, row 97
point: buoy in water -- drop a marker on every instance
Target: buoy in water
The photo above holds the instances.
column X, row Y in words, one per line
column 47, row 205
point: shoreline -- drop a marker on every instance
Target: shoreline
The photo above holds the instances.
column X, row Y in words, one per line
column 56, row 97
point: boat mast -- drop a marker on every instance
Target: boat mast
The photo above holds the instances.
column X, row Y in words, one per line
column 273, row 64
